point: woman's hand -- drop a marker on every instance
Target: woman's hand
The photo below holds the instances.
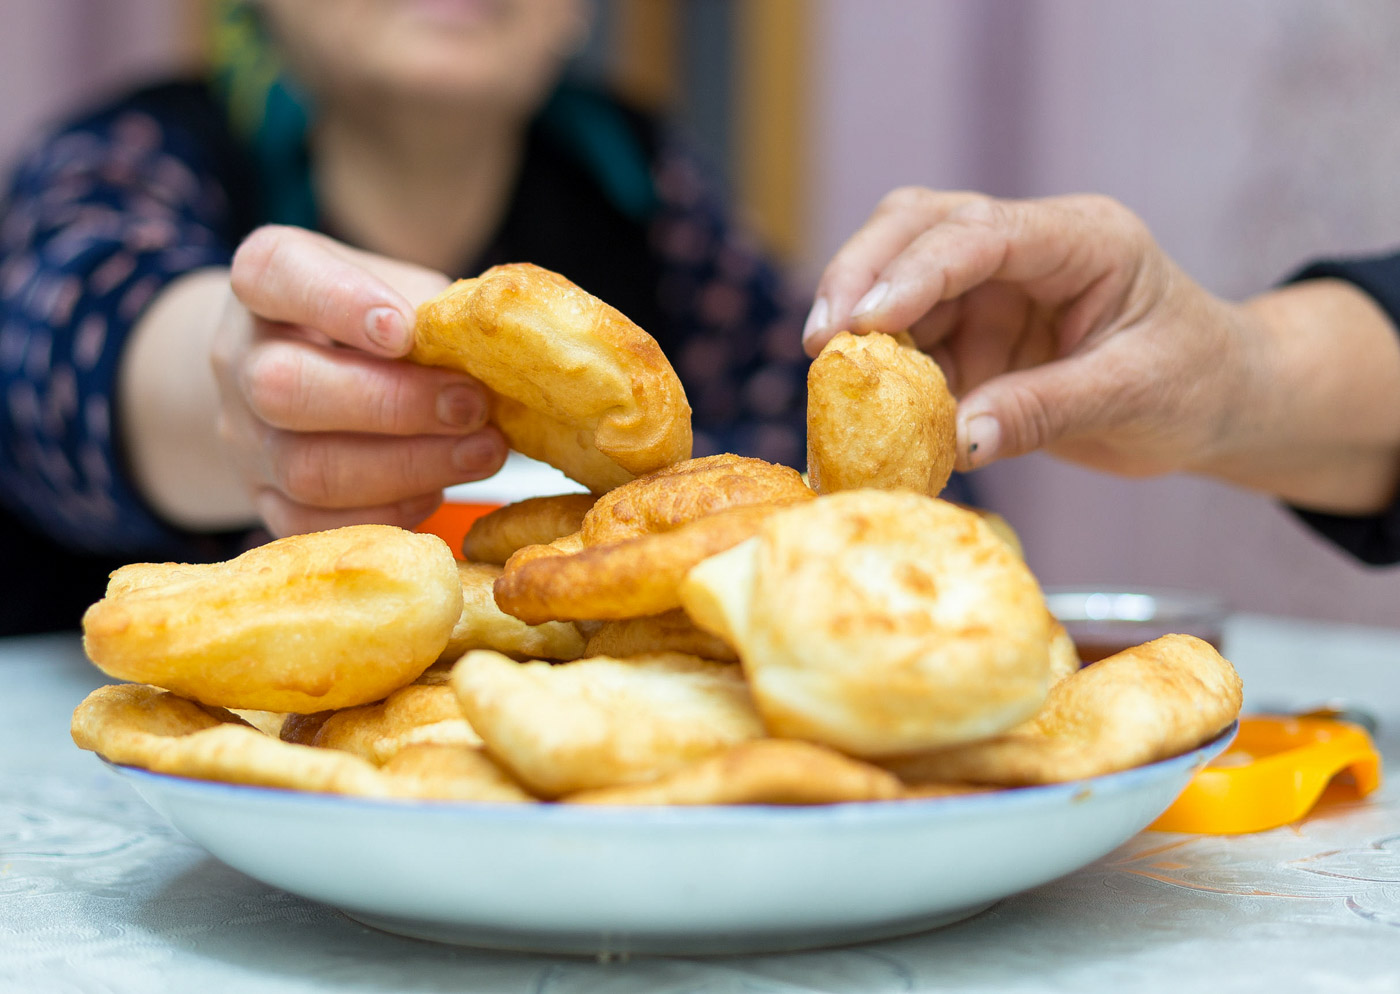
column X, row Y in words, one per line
column 324, row 426
column 1061, row 324
column 274, row 391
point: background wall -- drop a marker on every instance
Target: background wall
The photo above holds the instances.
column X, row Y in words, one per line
column 1250, row 134
column 55, row 54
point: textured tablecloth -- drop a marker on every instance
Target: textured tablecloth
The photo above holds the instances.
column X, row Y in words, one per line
column 98, row 894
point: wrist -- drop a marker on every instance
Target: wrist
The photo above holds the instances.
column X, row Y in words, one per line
column 1315, row 416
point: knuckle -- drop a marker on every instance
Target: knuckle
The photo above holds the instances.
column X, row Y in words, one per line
column 1031, row 422
column 904, row 198
column 416, row 465
column 255, row 257
column 273, row 384
column 984, row 212
column 306, row 472
column 390, row 404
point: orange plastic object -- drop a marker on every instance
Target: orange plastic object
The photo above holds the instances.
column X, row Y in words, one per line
column 451, row 521
column 1273, row 774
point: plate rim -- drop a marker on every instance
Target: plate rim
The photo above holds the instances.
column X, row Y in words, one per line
column 689, row 815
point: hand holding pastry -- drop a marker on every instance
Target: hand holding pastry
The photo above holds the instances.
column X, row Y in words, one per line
column 326, row 427
column 1061, row 324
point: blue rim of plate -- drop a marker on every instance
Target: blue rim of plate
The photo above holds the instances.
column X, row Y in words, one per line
column 919, row 808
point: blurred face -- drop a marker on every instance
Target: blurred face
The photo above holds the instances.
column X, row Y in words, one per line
column 507, row 53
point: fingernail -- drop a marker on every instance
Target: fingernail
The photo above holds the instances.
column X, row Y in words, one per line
column 872, row 300
column 983, row 438
column 460, row 406
column 387, row 328
column 817, row 319
column 474, row 454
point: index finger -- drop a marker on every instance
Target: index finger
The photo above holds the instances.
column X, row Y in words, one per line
column 901, row 216
column 294, row 276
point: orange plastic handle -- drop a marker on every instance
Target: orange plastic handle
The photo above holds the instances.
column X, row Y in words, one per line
column 451, row 521
column 1273, row 774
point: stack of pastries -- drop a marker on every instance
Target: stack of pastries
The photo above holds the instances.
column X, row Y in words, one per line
column 693, row 631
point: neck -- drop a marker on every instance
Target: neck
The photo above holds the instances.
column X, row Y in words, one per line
column 423, row 184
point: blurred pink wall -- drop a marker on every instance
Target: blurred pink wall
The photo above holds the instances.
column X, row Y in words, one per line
column 1250, row 134
column 57, row 54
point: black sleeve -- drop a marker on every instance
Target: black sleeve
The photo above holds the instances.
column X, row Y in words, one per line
column 1374, row 539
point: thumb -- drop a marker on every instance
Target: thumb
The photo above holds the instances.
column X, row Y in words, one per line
column 1019, row 412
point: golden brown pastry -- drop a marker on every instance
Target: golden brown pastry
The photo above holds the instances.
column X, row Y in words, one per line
column 139, row 725
column 671, row 497
column 765, row 771
column 672, row 631
column 418, row 713
column 879, row 415
column 494, row 537
column 1143, row 704
column 636, row 543
column 435, row 772
column 574, row 383
column 879, row 622
column 600, row 722
column 303, row 624
column 483, row 625
column 628, row 579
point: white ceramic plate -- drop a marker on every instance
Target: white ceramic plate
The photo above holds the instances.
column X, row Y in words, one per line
column 556, row 878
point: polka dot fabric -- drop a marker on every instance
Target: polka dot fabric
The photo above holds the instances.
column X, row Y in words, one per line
column 98, row 220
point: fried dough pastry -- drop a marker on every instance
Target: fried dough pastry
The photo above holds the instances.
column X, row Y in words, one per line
column 629, row 579
column 637, row 542
column 1064, row 655
column 671, row 497
column 1143, row 704
column 879, row 622
column 766, row 771
column 879, row 415
column 419, row 713
column 672, row 631
column 600, row 722
column 306, row 623
column 574, row 383
column 494, row 537
column 483, row 625
column 139, row 725
column 440, row 772
column 1000, row 526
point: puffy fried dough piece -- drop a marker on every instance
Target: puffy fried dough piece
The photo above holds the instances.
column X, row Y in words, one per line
column 672, row 631
column 687, row 491
column 1000, row 526
column 1143, row 704
column 419, row 713
column 630, row 579
column 483, row 625
column 306, row 623
column 600, row 722
column 879, row 622
column 494, row 537
column 574, row 382
column 879, row 415
column 139, row 725
column 440, row 772
column 1064, row 655
column 766, row 771
column 267, row 722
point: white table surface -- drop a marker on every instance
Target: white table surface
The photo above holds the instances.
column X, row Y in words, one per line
column 97, row 894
